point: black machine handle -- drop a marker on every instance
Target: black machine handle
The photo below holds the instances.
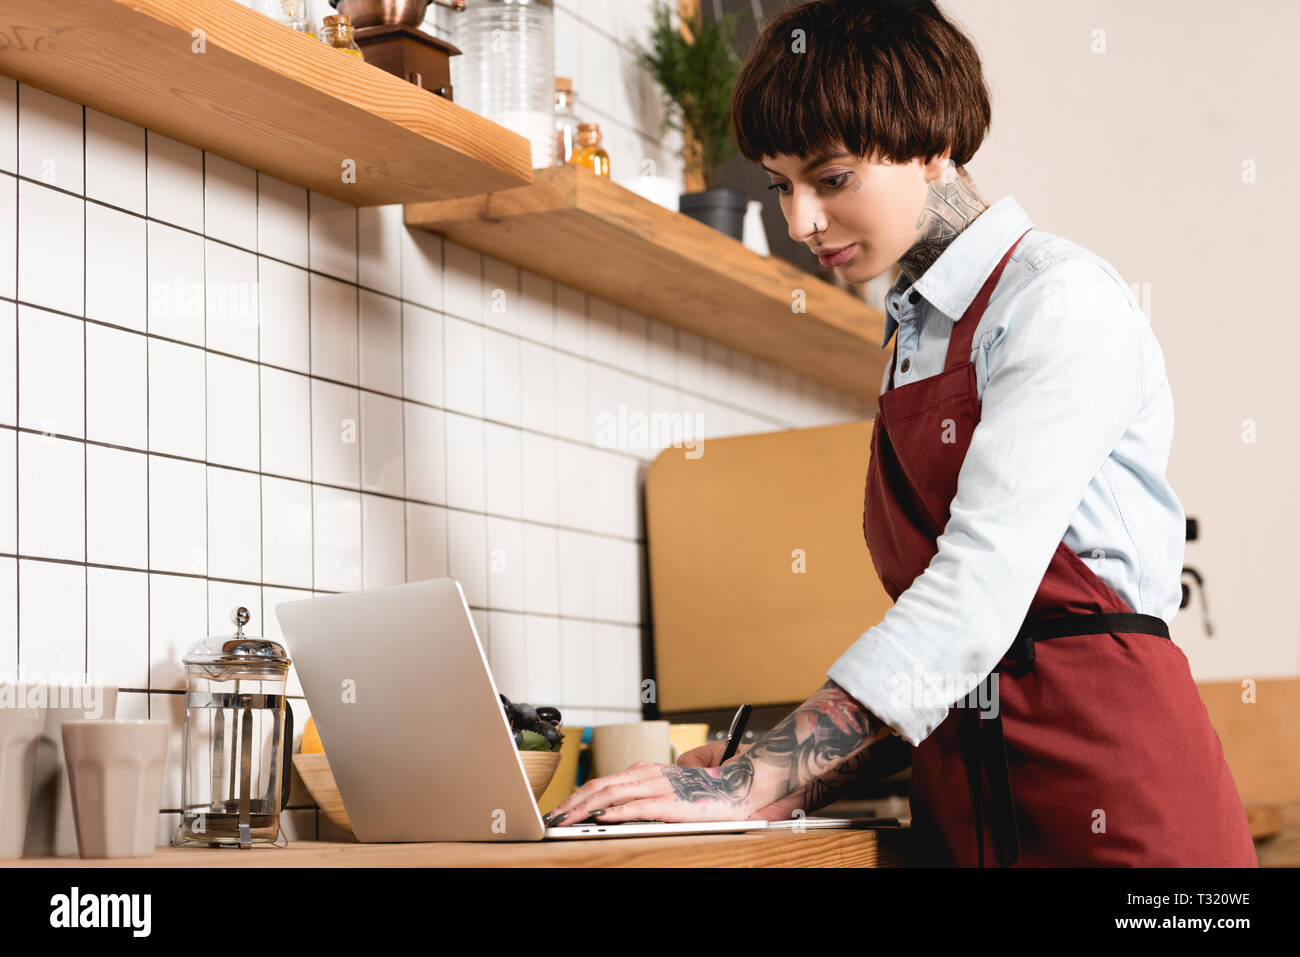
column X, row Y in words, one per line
column 1193, row 532
column 287, row 771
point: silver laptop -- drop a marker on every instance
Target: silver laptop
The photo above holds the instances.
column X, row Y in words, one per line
column 411, row 719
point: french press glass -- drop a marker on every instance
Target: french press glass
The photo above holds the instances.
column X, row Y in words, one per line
column 238, row 740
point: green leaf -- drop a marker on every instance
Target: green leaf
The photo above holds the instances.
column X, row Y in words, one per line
column 534, row 741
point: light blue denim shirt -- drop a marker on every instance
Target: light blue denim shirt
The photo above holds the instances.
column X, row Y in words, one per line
column 1076, row 420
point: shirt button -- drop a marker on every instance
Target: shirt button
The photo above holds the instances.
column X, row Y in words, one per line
column 907, row 364
column 914, row 298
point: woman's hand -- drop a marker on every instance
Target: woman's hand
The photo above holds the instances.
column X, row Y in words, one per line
column 661, row 792
column 696, row 788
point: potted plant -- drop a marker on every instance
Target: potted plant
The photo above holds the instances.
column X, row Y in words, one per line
column 696, row 77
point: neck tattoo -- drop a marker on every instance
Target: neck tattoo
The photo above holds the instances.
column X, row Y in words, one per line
column 948, row 210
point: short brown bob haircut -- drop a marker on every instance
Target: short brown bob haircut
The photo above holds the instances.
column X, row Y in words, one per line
column 891, row 79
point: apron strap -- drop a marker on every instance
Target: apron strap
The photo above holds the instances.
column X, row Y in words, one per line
column 1041, row 629
column 962, row 336
column 986, row 746
column 963, row 333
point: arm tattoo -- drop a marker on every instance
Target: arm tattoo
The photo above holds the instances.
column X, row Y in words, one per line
column 888, row 756
column 729, row 784
column 828, row 728
column 836, row 783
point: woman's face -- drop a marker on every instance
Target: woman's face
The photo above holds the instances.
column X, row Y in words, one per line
column 845, row 200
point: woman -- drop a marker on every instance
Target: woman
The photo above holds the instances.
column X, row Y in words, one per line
column 1016, row 506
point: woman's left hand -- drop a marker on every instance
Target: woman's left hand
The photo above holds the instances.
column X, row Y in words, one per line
column 661, row 792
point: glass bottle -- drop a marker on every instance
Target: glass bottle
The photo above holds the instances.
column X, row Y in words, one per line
column 336, row 30
column 566, row 121
column 291, row 14
column 588, row 152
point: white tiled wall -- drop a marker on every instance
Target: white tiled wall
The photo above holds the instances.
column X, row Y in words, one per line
column 217, row 389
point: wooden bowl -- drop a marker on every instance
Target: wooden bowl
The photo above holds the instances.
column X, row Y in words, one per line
column 540, row 768
column 315, row 772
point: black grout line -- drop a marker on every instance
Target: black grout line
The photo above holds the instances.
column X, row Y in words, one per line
column 18, row 590
column 85, row 409
column 148, row 465
column 311, row 407
column 401, row 375
column 360, row 432
column 555, row 295
column 207, row 360
column 482, row 437
column 442, row 460
column 261, row 505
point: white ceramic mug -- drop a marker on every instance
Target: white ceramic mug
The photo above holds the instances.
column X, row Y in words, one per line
column 50, row 825
column 116, row 771
column 20, row 735
column 616, row 746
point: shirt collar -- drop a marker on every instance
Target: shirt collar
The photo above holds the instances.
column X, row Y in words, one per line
column 954, row 279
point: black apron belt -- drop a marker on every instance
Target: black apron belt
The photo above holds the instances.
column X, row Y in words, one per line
column 984, row 743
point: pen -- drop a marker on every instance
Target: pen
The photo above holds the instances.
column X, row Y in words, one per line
column 737, row 729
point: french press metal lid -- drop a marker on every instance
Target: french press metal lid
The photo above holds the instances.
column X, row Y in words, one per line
column 221, row 653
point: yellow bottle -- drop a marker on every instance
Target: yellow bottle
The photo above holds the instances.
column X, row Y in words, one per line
column 588, row 152
column 292, row 16
column 336, row 31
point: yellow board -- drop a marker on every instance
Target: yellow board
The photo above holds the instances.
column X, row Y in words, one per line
column 759, row 575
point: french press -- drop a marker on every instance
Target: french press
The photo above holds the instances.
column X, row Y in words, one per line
column 238, row 739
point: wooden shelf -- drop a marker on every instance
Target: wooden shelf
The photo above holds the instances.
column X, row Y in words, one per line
column 587, row 231
column 259, row 94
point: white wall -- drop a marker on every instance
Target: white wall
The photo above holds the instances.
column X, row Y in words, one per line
column 1138, row 153
column 347, row 412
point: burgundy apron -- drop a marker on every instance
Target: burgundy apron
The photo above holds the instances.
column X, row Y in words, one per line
column 1102, row 752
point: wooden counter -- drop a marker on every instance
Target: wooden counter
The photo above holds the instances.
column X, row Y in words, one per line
column 814, row 848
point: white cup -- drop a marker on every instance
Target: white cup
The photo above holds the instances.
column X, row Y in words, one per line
column 753, row 231
column 616, row 746
column 20, row 735
column 116, row 771
column 50, row 825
